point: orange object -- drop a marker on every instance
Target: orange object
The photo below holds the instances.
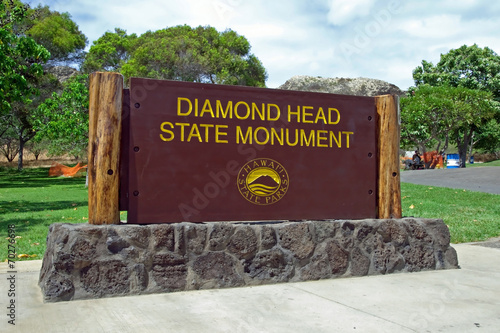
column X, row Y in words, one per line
column 434, row 159
column 428, row 156
column 58, row 169
column 439, row 162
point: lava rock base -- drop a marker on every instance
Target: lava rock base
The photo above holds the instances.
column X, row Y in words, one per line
column 85, row 261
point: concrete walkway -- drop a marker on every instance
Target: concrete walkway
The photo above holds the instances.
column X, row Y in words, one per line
column 461, row 300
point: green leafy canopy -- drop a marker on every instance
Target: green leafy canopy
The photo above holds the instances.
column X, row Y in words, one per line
column 63, row 118
column 183, row 53
column 29, row 38
column 468, row 66
column 457, row 100
column 21, row 60
column 430, row 114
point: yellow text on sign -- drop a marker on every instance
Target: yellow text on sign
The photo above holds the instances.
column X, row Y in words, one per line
column 256, row 111
column 240, row 110
column 293, row 137
column 308, row 115
column 193, row 132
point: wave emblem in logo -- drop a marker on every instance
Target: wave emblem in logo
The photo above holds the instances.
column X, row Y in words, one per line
column 263, row 181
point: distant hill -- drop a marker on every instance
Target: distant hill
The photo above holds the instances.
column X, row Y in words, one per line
column 343, row 86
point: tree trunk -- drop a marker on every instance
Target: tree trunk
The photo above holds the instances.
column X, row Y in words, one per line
column 462, row 147
column 462, row 153
column 426, row 164
column 22, row 142
column 472, row 143
column 10, row 157
column 9, row 149
column 445, row 144
column 438, row 146
column 21, row 153
column 10, row 154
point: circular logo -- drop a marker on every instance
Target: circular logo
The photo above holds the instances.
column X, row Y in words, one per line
column 263, row 181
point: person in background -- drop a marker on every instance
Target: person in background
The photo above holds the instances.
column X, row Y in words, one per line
column 416, row 160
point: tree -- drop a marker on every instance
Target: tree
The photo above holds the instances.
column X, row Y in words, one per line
column 468, row 67
column 21, row 60
column 431, row 115
column 37, row 146
column 424, row 118
column 63, row 118
column 21, row 120
column 488, row 139
column 57, row 32
column 183, row 53
column 23, row 81
column 474, row 109
column 9, row 147
column 109, row 52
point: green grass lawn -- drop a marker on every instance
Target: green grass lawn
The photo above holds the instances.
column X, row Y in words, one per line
column 492, row 163
column 32, row 201
column 470, row 216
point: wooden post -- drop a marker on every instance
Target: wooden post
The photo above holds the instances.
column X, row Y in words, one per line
column 389, row 189
column 105, row 110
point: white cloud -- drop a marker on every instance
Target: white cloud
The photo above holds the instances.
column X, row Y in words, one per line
column 344, row 11
column 388, row 39
column 265, row 31
column 440, row 26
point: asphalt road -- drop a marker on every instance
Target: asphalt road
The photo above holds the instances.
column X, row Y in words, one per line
column 480, row 179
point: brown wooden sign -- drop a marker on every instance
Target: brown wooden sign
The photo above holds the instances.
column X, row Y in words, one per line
column 201, row 152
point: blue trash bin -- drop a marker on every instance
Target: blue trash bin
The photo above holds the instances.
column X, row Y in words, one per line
column 453, row 161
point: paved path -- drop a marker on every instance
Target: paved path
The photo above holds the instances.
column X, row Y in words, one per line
column 481, row 179
column 457, row 300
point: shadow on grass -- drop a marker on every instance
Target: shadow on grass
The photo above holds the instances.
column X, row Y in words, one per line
column 22, row 206
column 34, row 221
column 34, row 178
column 22, row 227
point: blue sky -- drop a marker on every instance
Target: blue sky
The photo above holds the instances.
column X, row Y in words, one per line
column 377, row 39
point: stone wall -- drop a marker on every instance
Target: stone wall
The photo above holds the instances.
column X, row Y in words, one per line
column 87, row 261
